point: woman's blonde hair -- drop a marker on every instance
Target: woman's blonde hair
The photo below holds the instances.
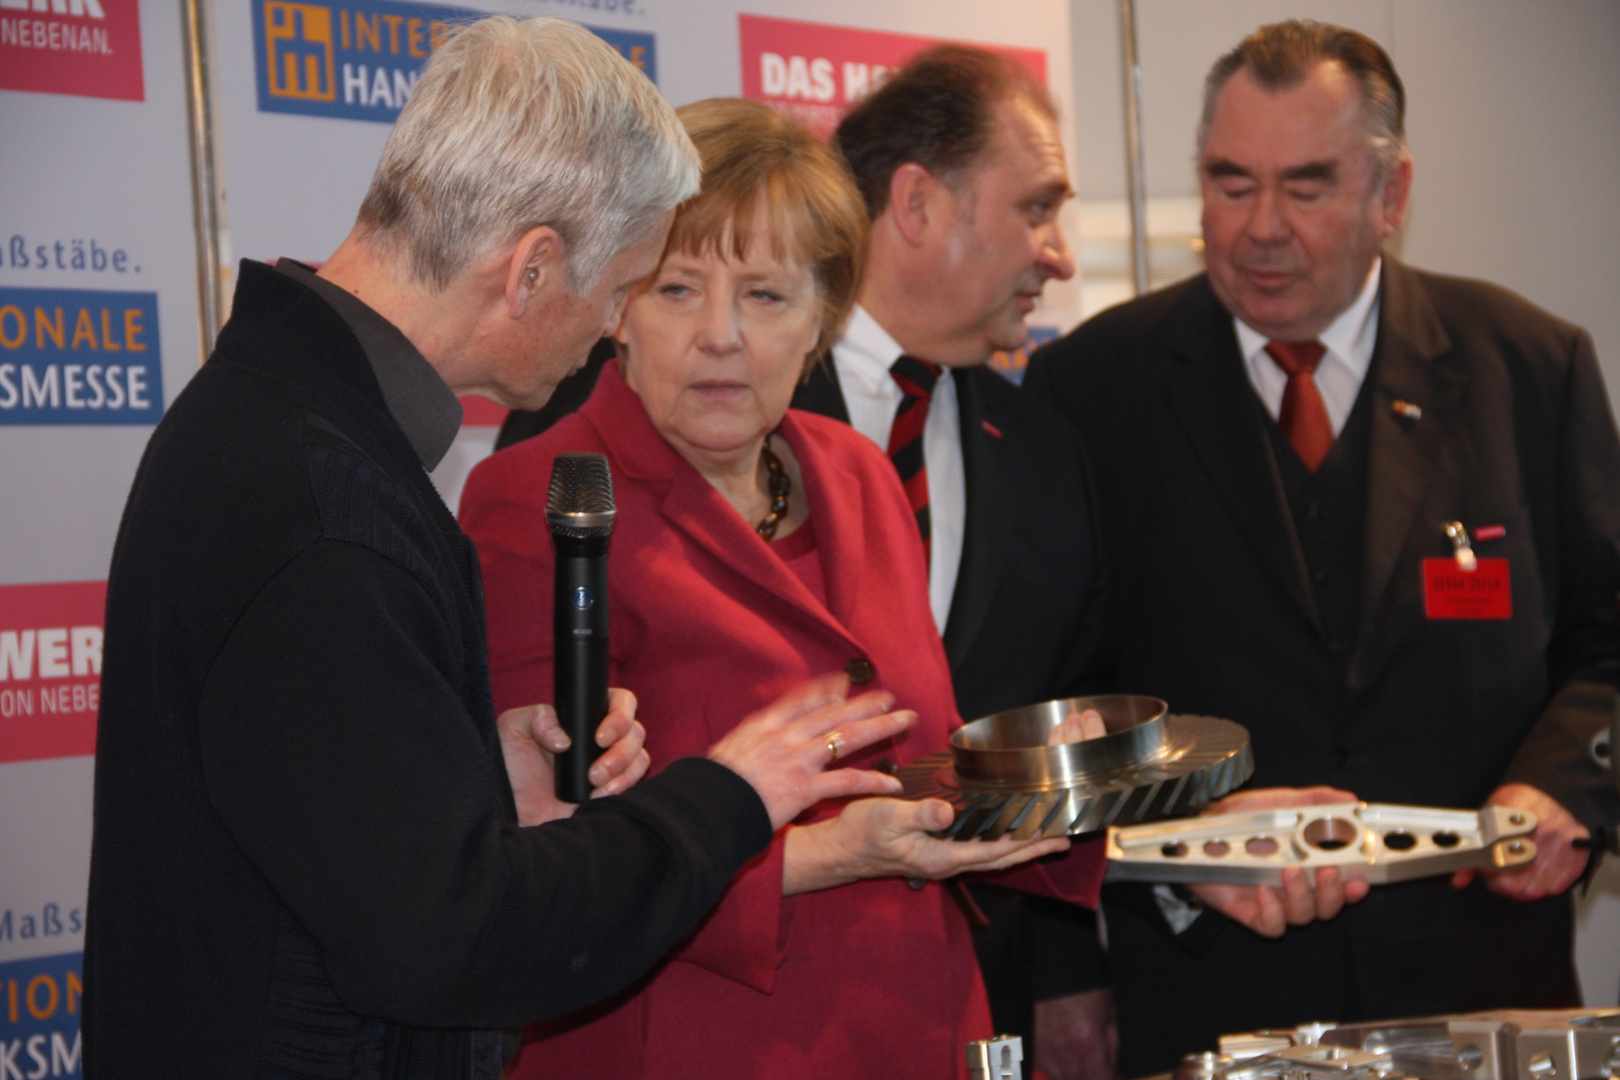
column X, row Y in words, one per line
column 753, row 158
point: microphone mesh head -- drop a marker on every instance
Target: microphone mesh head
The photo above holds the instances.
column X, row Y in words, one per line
column 580, row 503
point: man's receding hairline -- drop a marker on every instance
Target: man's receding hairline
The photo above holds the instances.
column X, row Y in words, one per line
column 1011, row 94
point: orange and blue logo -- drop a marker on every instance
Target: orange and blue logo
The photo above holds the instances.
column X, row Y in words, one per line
column 79, row 356
column 41, row 998
column 360, row 59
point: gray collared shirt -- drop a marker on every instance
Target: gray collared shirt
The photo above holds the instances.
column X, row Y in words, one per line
column 420, row 402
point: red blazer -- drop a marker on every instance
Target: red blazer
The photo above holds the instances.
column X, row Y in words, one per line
column 708, row 625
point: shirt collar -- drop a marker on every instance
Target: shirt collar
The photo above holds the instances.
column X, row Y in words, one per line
column 420, row 402
column 1348, row 339
column 866, row 351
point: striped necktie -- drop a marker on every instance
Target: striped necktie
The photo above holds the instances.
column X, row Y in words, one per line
column 916, row 380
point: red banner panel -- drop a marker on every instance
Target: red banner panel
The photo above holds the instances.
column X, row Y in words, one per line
column 50, row 669
column 91, row 48
column 817, row 72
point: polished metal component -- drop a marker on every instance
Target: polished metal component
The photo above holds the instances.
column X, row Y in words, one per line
column 1507, row 1044
column 1375, row 842
column 1006, row 775
column 999, row 1058
column 1461, row 547
column 206, row 218
column 1135, row 167
column 1205, row 1066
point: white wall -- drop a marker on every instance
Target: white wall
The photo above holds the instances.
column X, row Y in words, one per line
column 1513, row 118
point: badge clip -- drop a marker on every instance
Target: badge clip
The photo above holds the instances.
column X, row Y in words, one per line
column 1461, row 549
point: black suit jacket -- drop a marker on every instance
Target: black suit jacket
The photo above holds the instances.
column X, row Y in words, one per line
column 1218, row 616
column 1029, row 616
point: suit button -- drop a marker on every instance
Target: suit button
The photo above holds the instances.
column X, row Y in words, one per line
column 1321, row 577
column 1313, row 512
column 1341, row 758
column 1335, row 644
column 886, row 766
column 860, row 671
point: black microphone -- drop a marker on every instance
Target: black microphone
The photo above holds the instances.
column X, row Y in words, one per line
column 580, row 511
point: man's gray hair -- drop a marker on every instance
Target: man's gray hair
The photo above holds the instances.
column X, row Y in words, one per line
column 517, row 124
column 1281, row 55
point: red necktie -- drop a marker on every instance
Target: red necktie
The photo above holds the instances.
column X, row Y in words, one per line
column 1303, row 417
column 916, row 380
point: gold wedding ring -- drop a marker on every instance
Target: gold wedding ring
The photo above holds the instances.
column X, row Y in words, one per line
column 835, row 743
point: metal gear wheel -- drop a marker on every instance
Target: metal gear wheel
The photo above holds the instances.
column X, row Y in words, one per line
column 1004, row 779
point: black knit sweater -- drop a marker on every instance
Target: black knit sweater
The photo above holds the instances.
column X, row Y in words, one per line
column 305, row 862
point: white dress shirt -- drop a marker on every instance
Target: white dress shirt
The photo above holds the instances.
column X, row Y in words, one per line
column 1349, row 341
column 861, row 360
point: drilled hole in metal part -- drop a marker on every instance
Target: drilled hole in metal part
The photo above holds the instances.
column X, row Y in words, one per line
column 1446, row 839
column 1330, row 834
column 1516, row 819
column 1216, row 848
column 1542, row 1067
column 1470, row 1057
column 1516, row 847
column 1261, row 845
column 1173, row 851
column 1400, row 841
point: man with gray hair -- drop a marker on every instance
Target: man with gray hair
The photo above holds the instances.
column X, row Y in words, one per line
column 1371, row 513
column 317, row 852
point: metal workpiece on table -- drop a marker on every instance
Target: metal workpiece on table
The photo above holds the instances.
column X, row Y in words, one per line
column 1011, row 773
column 1505, row 1044
column 1375, row 842
column 999, row 1058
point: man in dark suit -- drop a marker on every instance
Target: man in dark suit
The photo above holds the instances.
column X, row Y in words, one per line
column 1280, row 445
column 960, row 163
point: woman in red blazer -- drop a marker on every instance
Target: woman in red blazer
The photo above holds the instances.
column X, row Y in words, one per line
column 756, row 547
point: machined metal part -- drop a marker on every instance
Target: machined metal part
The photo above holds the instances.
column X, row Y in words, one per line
column 1004, row 779
column 999, row 1058
column 1375, row 842
column 1508, row 1044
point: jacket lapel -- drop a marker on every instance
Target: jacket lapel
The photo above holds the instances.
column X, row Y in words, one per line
column 820, row 393
column 1406, row 454
column 1211, row 398
column 986, row 459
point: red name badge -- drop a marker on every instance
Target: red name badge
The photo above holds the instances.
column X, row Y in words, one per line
column 1450, row 592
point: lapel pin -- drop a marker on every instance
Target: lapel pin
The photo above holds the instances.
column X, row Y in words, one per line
column 1406, row 410
column 991, row 429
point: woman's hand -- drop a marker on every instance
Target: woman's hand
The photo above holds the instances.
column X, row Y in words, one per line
column 889, row 838
column 531, row 738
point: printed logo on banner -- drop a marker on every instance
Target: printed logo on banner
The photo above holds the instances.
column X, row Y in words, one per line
column 817, row 72
column 90, row 48
column 50, row 669
column 79, row 356
column 360, row 59
column 40, row 1004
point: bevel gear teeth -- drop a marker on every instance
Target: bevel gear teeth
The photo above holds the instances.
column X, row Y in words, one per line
column 1188, row 762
